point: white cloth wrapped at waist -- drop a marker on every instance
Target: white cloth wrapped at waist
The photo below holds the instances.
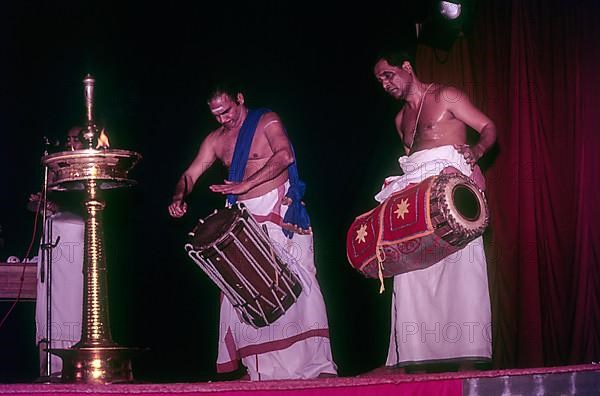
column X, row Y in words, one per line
column 421, row 165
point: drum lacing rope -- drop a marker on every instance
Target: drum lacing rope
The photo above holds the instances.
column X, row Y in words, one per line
column 380, row 253
column 276, row 271
column 272, row 251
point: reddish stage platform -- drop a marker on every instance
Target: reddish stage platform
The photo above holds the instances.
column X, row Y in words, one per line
column 565, row 380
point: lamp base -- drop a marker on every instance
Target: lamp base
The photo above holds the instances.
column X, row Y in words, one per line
column 97, row 365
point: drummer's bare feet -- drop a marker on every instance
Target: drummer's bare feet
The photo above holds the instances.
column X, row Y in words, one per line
column 448, row 366
column 467, row 366
column 241, row 374
column 473, row 365
column 383, row 370
column 327, row 375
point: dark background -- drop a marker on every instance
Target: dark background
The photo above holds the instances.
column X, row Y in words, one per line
column 312, row 63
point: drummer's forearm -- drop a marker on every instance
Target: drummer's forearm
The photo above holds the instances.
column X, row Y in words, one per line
column 487, row 138
column 278, row 163
column 183, row 187
column 204, row 160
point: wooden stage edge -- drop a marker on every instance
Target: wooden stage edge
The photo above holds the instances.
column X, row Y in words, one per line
column 576, row 379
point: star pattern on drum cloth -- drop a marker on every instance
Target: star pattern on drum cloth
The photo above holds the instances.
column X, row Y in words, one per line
column 402, row 208
column 361, row 234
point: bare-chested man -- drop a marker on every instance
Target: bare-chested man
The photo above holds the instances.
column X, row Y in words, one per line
column 440, row 314
column 297, row 344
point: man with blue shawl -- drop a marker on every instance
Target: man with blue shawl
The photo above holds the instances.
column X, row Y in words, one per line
column 254, row 146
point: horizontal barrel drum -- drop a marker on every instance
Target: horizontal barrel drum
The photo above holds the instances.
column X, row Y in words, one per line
column 418, row 226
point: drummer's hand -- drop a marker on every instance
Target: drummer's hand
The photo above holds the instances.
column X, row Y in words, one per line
column 230, row 187
column 35, row 197
column 287, row 201
column 296, row 229
column 177, row 208
column 471, row 154
column 293, row 227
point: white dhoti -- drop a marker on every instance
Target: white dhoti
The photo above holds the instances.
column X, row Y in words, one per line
column 67, row 286
column 442, row 312
column 295, row 346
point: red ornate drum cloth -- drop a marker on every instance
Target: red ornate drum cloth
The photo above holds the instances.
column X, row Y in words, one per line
column 418, row 226
column 237, row 255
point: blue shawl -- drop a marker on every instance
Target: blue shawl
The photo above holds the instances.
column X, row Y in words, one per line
column 296, row 213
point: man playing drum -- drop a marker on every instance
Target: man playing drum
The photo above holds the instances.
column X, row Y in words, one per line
column 440, row 314
column 262, row 175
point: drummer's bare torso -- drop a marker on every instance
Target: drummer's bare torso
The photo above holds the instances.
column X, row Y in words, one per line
column 260, row 153
column 437, row 126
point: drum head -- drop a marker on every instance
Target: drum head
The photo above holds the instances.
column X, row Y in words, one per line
column 467, row 202
column 459, row 210
column 215, row 226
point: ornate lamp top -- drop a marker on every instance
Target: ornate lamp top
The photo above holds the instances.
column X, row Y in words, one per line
column 68, row 170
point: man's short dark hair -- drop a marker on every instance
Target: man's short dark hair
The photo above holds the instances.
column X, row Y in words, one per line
column 396, row 57
column 224, row 87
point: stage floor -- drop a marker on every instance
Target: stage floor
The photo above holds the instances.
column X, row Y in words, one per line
column 564, row 380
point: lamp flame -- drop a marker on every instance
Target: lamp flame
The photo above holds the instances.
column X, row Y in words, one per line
column 103, row 140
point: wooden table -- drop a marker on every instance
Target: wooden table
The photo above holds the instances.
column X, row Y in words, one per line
column 15, row 276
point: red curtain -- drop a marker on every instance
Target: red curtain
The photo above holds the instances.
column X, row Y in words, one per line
column 534, row 68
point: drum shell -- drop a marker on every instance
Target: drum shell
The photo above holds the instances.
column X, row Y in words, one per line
column 249, row 272
column 430, row 230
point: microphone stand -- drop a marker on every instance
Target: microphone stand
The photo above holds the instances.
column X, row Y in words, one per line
column 46, row 271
